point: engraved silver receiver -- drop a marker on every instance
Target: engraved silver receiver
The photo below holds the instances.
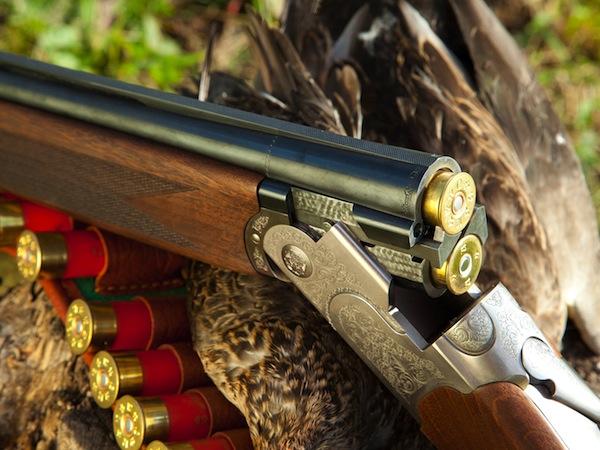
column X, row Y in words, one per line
column 482, row 339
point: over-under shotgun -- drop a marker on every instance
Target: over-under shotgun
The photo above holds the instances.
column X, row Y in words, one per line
column 385, row 242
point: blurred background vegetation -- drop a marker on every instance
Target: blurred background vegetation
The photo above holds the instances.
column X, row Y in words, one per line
column 158, row 43
column 562, row 41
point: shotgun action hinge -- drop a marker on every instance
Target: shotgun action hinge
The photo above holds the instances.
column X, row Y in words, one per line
column 415, row 342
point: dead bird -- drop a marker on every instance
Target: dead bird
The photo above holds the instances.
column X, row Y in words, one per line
column 405, row 86
column 438, row 109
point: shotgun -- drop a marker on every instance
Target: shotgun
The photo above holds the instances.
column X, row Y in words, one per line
column 385, row 242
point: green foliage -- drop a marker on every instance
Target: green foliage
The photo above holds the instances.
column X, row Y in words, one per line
column 563, row 42
column 270, row 10
column 582, row 29
column 118, row 38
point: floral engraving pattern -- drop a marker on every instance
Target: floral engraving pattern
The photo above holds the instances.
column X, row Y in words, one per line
column 514, row 325
column 403, row 369
column 474, row 334
column 356, row 306
column 542, row 362
column 260, row 223
column 259, row 260
column 328, row 270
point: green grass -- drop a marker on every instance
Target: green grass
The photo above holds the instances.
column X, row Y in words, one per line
column 563, row 44
column 120, row 39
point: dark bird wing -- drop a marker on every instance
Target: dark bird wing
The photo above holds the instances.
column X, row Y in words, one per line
column 327, row 60
column 343, row 87
column 285, row 77
column 421, row 96
column 561, row 198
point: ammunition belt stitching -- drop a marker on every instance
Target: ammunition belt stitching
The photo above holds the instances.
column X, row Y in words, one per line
column 155, row 383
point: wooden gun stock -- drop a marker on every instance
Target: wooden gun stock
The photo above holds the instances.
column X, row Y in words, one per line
column 185, row 203
column 199, row 208
column 496, row 416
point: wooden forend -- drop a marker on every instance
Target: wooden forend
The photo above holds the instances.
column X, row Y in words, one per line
column 497, row 416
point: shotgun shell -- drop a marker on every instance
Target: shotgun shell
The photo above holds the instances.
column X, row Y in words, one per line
column 67, row 254
column 169, row 370
column 193, row 371
column 462, row 267
column 449, row 200
column 18, row 215
column 223, row 440
column 139, row 324
column 136, row 421
column 192, row 415
column 113, row 375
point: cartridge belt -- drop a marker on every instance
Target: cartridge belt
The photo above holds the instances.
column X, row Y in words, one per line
column 123, row 306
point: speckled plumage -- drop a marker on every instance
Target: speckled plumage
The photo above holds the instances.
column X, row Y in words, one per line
column 295, row 380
